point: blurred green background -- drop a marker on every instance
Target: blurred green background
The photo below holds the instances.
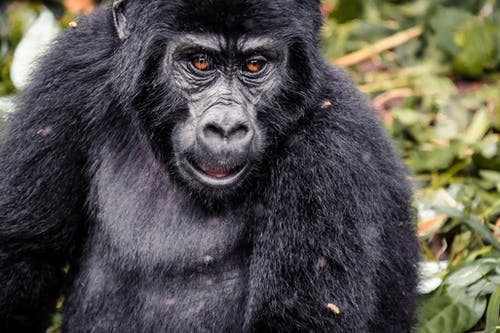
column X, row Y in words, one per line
column 432, row 70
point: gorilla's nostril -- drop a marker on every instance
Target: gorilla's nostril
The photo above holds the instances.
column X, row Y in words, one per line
column 234, row 133
column 213, row 131
column 239, row 132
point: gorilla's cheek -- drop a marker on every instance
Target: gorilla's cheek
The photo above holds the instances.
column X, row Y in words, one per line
column 184, row 137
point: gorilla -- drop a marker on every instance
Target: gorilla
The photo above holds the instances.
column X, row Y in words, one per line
column 197, row 166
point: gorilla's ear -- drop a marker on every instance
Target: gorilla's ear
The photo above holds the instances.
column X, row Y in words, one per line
column 119, row 18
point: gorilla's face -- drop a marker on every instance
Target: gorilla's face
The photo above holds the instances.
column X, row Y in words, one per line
column 217, row 84
column 225, row 84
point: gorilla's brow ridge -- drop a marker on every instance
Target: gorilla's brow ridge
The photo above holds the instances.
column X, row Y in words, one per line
column 217, row 43
column 248, row 44
column 202, row 41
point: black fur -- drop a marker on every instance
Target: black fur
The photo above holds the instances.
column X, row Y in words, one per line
column 87, row 179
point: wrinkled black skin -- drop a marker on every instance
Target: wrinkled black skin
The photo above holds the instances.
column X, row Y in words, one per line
column 221, row 128
column 88, row 178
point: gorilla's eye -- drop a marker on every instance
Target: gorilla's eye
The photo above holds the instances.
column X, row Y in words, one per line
column 201, row 62
column 255, row 65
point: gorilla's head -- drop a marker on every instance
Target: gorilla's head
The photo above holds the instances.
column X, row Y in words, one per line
column 220, row 81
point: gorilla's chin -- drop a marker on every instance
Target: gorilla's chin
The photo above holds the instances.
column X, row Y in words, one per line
column 214, row 175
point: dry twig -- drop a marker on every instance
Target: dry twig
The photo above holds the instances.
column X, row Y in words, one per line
column 383, row 45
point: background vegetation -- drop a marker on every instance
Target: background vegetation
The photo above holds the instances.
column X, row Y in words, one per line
column 432, row 69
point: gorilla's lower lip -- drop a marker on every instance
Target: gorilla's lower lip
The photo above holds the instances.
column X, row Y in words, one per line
column 215, row 178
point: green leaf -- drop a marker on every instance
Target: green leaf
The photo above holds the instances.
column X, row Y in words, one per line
column 444, row 314
column 476, row 43
column 490, row 175
column 470, row 273
column 432, row 158
column 487, row 152
column 492, row 314
column 431, row 84
column 445, row 22
column 495, row 278
column 478, row 128
column 409, row 117
column 346, row 10
column 56, row 324
column 482, row 287
column 472, row 223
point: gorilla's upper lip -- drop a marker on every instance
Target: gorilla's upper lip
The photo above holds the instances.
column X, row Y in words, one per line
column 217, row 176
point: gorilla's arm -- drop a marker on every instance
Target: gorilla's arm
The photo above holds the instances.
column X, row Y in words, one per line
column 40, row 197
column 337, row 227
column 42, row 177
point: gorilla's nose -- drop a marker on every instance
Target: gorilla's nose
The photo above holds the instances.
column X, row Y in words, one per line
column 225, row 130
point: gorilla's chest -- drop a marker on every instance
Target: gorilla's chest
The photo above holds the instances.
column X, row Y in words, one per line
column 157, row 260
column 151, row 222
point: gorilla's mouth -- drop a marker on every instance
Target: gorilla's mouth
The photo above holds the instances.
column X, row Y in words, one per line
column 214, row 175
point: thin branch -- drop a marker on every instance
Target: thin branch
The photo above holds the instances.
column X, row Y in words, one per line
column 382, row 45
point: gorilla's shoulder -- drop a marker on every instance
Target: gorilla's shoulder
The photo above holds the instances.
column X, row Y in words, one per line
column 79, row 49
column 90, row 30
column 342, row 130
column 342, row 112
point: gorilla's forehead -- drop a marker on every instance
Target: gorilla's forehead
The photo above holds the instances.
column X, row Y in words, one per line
column 235, row 16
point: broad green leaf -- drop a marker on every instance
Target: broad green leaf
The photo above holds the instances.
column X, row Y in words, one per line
column 482, row 287
column 432, row 158
column 443, row 314
column 496, row 277
column 445, row 21
column 476, row 43
column 492, row 314
column 471, row 273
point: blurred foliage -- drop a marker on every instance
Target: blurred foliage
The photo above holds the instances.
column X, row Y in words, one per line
column 462, row 36
column 15, row 19
column 438, row 94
